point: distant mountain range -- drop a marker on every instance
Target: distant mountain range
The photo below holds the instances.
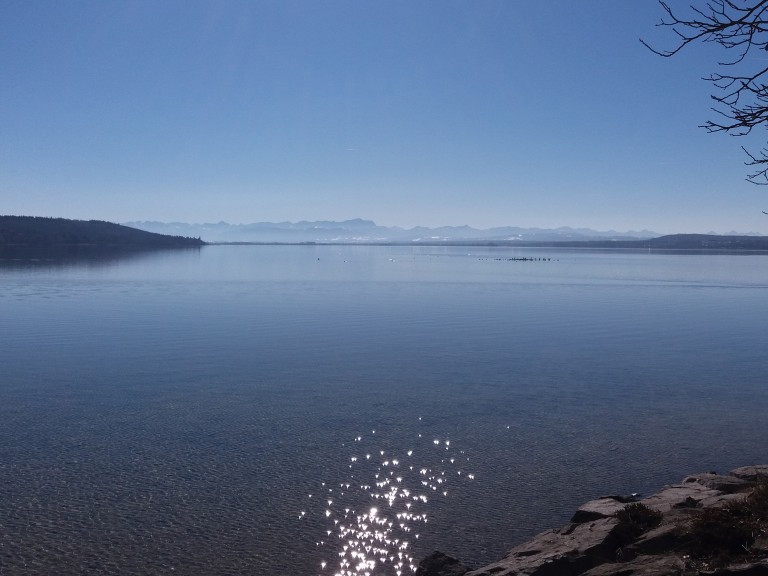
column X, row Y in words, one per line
column 367, row 231
column 38, row 231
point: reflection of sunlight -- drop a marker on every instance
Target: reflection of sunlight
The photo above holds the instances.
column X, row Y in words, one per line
column 393, row 490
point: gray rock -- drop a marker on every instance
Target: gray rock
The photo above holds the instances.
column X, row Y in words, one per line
column 668, row 536
column 439, row 564
column 727, row 484
column 567, row 551
column 720, row 500
column 595, row 545
column 604, row 507
column 680, row 495
column 751, row 473
column 641, row 566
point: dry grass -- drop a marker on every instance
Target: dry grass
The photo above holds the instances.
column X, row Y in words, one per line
column 634, row 519
column 724, row 534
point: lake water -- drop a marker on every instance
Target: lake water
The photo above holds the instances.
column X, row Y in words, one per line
column 254, row 409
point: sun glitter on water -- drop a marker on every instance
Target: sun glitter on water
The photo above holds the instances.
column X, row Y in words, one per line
column 374, row 514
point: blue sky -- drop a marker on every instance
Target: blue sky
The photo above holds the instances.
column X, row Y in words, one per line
column 479, row 112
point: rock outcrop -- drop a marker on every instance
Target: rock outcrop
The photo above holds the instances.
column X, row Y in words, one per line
column 690, row 528
column 439, row 564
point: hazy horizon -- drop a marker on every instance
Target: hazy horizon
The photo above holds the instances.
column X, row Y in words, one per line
column 412, row 113
column 376, row 223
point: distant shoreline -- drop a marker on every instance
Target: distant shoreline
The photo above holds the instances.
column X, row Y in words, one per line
column 687, row 242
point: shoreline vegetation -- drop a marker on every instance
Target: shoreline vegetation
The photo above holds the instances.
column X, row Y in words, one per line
column 29, row 231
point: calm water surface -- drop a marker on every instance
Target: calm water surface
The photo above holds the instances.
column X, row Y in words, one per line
column 250, row 409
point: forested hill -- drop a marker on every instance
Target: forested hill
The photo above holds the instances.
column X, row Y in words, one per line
column 709, row 242
column 670, row 242
column 674, row 242
column 39, row 231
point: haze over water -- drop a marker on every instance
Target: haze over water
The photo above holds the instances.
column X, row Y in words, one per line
column 177, row 409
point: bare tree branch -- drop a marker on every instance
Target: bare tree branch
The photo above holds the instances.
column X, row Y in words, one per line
column 740, row 27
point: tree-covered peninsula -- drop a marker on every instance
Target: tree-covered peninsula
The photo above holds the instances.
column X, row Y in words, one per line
column 42, row 231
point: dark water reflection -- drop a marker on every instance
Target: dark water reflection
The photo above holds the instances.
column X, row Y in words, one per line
column 30, row 258
column 174, row 410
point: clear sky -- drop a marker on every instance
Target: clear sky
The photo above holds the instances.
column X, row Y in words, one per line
column 407, row 112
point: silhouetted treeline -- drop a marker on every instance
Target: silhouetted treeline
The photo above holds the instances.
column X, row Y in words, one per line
column 41, row 231
column 710, row 242
column 680, row 242
column 669, row 242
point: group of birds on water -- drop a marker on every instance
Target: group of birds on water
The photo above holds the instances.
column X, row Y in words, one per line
column 518, row 259
column 373, row 516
